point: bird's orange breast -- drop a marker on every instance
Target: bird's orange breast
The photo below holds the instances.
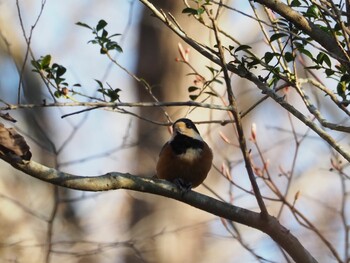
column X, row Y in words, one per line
column 192, row 166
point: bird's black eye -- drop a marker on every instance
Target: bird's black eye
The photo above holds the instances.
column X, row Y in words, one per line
column 189, row 124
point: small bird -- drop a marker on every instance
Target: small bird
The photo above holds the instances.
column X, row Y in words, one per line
column 186, row 158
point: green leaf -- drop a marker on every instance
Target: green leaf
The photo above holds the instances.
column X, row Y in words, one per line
column 341, row 68
column 192, row 88
column 329, row 72
column 61, row 70
column 277, row 36
column 58, row 81
column 268, row 57
column 189, row 10
column 113, row 94
column 323, row 57
column 101, row 24
column 99, row 83
column 112, row 45
column 36, row 65
column 242, row 47
column 288, row 56
column 103, row 91
column 306, row 52
column 193, row 97
column 93, row 41
column 83, row 25
column 313, row 67
column 57, row 94
column 200, row 11
column 345, row 77
column 45, row 62
column 313, row 11
column 295, row 3
column 341, row 88
column 337, row 27
column 104, row 34
column 327, row 60
column 114, row 35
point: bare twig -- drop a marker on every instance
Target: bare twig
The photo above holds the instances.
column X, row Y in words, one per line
column 28, row 41
column 314, row 111
column 238, row 122
column 118, row 105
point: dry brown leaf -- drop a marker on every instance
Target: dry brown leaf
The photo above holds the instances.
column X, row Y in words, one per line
column 12, row 142
column 7, row 116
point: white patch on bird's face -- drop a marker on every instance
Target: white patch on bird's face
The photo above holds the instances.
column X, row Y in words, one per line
column 191, row 154
column 180, row 128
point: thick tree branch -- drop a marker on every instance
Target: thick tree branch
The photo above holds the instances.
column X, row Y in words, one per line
column 315, row 32
column 116, row 180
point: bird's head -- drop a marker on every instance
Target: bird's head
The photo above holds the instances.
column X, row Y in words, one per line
column 187, row 128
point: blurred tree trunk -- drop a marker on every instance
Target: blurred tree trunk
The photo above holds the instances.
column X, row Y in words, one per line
column 158, row 48
column 16, row 184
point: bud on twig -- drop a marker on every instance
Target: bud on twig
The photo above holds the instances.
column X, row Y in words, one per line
column 224, row 138
column 183, row 53
column 266, row 164
column 253, row 133
column 296, row 197
column 65, row 91
column 226, row 172
column 335, row 164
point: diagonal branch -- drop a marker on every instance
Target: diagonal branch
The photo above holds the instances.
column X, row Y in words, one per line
column 314, row 111
column 315, row 32
column 116, row 180
column 238, row 121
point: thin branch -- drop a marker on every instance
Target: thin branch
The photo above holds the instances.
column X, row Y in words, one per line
column 314, row 111
column 50, row 225
column 26, row 209
column 141, row 81
column 303, row 220
column 239, row 125
column 118, row 104
column 324, row 89
column 28, row 42
column 307, row 121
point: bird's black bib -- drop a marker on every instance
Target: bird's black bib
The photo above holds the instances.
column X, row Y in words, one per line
column 181, row 143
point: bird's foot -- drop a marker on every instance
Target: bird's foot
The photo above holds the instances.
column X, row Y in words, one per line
column 183, row 185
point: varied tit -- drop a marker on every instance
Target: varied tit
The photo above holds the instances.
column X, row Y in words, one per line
column 186, row 158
